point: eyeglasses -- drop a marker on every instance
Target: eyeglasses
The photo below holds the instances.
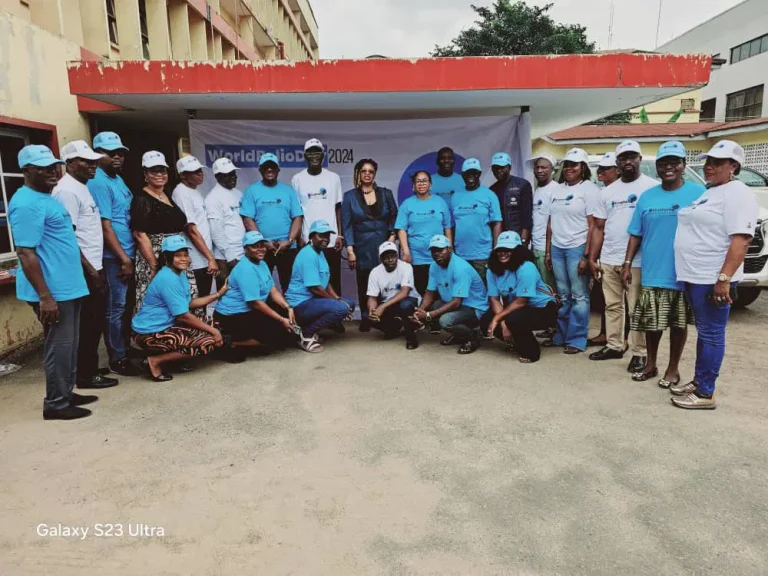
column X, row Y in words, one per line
column 421, row 182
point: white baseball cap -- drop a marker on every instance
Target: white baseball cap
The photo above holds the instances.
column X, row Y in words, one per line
column 576, row 155
column 725, row 149
column 607, row 161
column 153, row 158
column 628, row 146
column 548, row 157
column 188, row 164
column 223, row 166
column 312, row 143
column 387, row 247
column 79, row 149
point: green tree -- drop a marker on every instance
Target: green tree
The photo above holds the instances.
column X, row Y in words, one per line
column 513, row 28
column 618, row 118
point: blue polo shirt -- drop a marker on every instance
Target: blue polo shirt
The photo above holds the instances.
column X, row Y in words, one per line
column 309, row 269
column 422, row 219
column 655, row 219
column 446, row 186
column 248, row 282
column 39, row 221
column 526, row 282
column 459, row 280
column 167, row 297
column 273, row 208
column 473, row 213
column 113, row 198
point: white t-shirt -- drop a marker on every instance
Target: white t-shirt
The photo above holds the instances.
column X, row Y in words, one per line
column 387, row 284
column 192, row 204
column 616, row 205
column 86, row 218
column 568, row 209
column 222, row 207
column 318, row 196
column 541, row 199
column 704, row 231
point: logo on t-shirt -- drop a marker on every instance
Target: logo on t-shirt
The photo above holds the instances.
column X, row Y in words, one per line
column 671, row 210
column 467, row 207
column 322, row 192
column 699, row 202
column 274, row 202
column 397, row 286
column 429, row 213
column 565, row 201
column 631, row 199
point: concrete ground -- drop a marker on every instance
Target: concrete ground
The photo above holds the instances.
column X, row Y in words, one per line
column 370, row 459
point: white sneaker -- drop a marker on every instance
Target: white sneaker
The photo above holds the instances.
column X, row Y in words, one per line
column 693, row 402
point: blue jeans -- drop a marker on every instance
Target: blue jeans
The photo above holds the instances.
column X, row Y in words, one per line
column 117, row 291
column 573, row 316
column 317, row 313
column 710, row 319
column 462, row 323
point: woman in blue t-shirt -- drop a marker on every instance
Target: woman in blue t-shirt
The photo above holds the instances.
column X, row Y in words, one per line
column 165, row 326
column 520, row 301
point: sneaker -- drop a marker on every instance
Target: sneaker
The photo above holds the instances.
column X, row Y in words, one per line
column 68, row 413
column 681, row 389
column 693, row 402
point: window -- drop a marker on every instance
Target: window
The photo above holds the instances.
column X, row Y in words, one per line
column 687, row 104
column 749, row 49
column 744, row 104
column 708, row 110
column 752, row 178
column 11, row 179
column 112, row 21
column 143, row 25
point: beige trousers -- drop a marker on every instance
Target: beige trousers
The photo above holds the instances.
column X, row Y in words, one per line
column 614, row 293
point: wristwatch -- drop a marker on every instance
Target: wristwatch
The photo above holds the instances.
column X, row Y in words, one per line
column 723, row 278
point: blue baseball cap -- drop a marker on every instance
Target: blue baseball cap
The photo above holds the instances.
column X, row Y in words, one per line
column 108, row 141
column 439, row 241
column 320, row 227
column 671, row 148
column 268, row 157
column 37, row 155
column 501, row 159
column 174, row 243
column 509, row 240
column 471, row 164
column 252, row 237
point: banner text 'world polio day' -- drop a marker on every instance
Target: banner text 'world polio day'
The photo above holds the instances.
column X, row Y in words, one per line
column 289, row 156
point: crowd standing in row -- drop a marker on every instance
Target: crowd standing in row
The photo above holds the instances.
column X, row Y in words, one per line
column 476, row 262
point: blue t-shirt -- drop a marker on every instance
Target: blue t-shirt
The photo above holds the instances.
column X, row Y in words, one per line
column 248, row 282
column 39, row 221
column 167, row 297
column 422, row 219
column 309, row 269
column 525, row 283
column 113, row 198
column 655, row 219
column 446, row 186
column 473, row 213
column 273, row 208
column 459, row 280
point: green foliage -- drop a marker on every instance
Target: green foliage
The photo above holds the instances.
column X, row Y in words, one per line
column 618, row 118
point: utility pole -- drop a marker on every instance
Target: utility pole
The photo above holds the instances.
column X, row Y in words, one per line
column 610, row 26
column 658, row 24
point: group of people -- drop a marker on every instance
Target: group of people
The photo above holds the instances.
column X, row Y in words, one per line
column 147, row 267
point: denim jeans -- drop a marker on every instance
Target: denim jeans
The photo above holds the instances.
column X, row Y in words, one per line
column 461, row 323
column 573, row 289
column 117, row 292
column 710, row 319
column 60, row 354
column 317, row 313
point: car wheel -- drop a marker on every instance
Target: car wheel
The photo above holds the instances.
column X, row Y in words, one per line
column 746, row 296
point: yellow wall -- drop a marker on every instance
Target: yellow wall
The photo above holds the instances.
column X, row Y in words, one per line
column 18, row 324
column 661, row 111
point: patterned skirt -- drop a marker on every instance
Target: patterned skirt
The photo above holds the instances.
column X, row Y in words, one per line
column 660, row 308
column 181, row 339
column 143, row 273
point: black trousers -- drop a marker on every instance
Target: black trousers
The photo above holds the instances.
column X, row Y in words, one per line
column 204, row 281
column 362, row 291
column 284, row 264
column 254, row 324
column 522, row 323
column 92, row 326
column 334, row 264
column 396, row 317
column 421, row 278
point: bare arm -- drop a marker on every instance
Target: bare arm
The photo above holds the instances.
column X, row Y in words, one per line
column 202, row 301
column 633, row 245
column 496, row 230
column 496, row 305
column 598, row 235
column 199, row 242
column 396, row 299
column 144, row 245
column 454, row 304
column 402, row 235
column 449, row 234
column 110, row 239
column 250, row 224
column 548, row 249
column 30, row 264
column 189, row 319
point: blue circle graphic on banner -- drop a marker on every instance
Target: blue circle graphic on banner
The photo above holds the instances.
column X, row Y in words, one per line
column 427, row 162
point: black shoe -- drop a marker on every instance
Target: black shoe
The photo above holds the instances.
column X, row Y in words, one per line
column 103, row 371
column 81, row 399
column 68, row 413
column 606, row 354
column 124, row 367
column 637, row 364
column 365, row 326
column 411, row 343
column 162, row 378
column 338, row 328
column 98, row 382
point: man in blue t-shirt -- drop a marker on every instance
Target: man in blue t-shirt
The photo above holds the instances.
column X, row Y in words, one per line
column 273, row 208
column 456, row 297
column 113, row 198
column 50, row 278
column 446, row 182
column 315, row 302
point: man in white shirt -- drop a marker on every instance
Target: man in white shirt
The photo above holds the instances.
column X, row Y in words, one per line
column 320, row 196
column 187, row 197
column 613, row 213
column 222, row 206
column 73, row 194
column 392, row 297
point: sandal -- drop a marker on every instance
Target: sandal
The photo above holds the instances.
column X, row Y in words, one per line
column 525, row 360
column 572, row 350
column 468, row 347
column 664, row 383
column 643, row 376
column 550, row 344
column 148, row 371
column 311, row 345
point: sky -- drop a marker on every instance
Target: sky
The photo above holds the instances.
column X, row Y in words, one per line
column 411, row 28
